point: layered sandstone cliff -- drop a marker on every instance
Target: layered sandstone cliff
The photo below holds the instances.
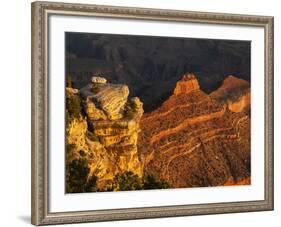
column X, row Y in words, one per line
column 105, row 134
column 194, row 140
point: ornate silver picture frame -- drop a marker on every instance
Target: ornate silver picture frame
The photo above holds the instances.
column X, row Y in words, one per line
column 41, row 67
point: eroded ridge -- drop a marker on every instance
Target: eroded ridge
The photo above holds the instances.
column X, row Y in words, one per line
column 195, row 139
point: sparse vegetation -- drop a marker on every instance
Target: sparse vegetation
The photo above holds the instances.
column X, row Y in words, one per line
column 91, row 185
column 73, row 107
column 128, row 181
column 78, row 181
column 150, row 182
column 77, row 177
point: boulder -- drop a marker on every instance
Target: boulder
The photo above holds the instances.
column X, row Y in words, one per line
column 98, row 80
column 111, row 98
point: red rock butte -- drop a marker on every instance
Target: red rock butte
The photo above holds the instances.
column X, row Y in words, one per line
column 187, row 84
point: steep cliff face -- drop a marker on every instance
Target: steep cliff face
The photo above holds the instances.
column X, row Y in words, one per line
column 194, row 140
column 106, row 134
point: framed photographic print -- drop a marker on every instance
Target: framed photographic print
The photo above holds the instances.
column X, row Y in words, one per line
column 146, row 113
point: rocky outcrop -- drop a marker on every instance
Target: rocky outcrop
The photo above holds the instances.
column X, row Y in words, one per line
column 235, row 93
column 110, row 98
column 194, row 140
column 98, row 80
column 187, row 84
column 106, row 136
column 80, row 144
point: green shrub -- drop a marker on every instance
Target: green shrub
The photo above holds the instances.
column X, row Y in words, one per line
column 78, row 171
column 73, row 106
column 128, row 181
column 150, row 182
column 91, row 185
column 77, row 177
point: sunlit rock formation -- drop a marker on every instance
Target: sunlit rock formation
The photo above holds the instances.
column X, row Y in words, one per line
column 106, row 135
column 192, row 140
column 195, row 140
column 187, row 84
column 110, row 98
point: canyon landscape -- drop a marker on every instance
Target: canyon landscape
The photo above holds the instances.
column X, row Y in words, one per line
column 142, row 113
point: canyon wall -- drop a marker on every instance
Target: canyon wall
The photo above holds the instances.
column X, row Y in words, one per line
column 195, row 139
column 192, row 140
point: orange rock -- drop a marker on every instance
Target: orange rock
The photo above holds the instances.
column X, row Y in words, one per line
column 243, row 102
column 235, row 93
column 231, row 182
column 187, row 84
column 193, row 140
